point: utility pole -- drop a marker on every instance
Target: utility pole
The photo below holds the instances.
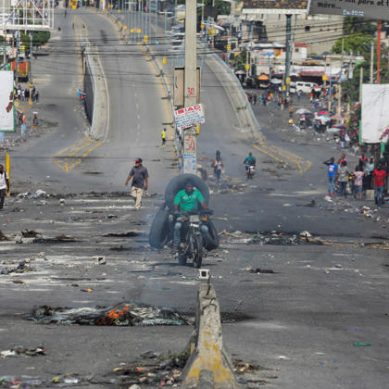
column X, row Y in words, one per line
column 30, row 69
column 190, row 85
column 360, row 84
column 288, row 48
column 371, row 62
column 379, row 29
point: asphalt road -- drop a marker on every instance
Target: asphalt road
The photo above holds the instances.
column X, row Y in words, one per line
column 301, row 321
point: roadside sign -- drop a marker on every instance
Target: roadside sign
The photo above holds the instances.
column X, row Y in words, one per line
column 146, row 39
column 189, row 116
column 370, row 9
column 228, row 47
column 324, row 77
column 164, row 60
column 247, row 66
column 190, row 145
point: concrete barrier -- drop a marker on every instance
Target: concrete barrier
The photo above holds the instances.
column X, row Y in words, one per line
column 100, row 115
column 100, row 118
column 209, row 365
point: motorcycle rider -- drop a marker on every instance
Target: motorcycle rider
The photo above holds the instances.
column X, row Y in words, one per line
column 187, row 200
column 249, row 161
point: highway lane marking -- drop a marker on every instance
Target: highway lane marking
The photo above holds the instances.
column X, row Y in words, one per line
column 70, row 157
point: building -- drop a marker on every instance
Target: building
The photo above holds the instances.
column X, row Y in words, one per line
column 266, row 21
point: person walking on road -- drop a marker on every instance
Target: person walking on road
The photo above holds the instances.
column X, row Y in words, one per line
column 163, row 136
column 343, row 177
column 379, row 175
column 217, row 165
column 140, row 182
column 4, row 185
column 332, row 172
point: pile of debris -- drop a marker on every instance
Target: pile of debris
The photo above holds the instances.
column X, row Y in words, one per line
column 272, row 238
column 153, row 370
column 22, row 267
column 124, row 314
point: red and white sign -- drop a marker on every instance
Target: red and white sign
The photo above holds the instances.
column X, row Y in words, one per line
column 189, row 116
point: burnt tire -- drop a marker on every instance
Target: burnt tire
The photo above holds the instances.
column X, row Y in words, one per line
column 177, row 183
column 159, row 231
column 211, row 242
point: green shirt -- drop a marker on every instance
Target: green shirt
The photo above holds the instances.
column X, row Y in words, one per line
column 186, row 202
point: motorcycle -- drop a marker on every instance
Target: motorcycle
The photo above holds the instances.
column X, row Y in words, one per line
column 250, row 171
column 192, row 240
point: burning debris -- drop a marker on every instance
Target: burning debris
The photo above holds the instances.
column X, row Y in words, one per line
column 124, row 314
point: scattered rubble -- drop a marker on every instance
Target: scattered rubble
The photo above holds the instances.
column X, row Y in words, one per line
column 155, row 370
column 124, row 314
column 271, row 238
column 22, row 267
column 3, row 237
column 20, row 350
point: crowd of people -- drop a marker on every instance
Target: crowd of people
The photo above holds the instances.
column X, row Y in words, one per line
column 368, row 174
column 24, row 93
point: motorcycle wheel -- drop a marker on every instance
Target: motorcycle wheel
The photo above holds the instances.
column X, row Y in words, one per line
column 197, row 251
column 211, row 242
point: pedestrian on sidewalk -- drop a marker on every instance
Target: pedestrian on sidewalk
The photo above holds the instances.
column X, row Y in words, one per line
column 4, row 185
column 163, row 136
column 331, row 173
column 140, row 182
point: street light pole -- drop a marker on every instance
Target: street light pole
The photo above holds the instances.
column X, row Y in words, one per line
column 190, row 85
column 288, row 46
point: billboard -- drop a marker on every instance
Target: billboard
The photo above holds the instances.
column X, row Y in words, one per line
column 6, row 101
column 375, row 113
column 291, row 7
column 189, row 116
column 370, row 9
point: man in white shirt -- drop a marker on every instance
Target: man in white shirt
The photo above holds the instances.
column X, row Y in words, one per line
column 4, row 185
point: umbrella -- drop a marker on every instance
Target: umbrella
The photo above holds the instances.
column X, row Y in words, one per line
column 263, row 77
column 240, row 72
column 302, row 111
column 275, row 81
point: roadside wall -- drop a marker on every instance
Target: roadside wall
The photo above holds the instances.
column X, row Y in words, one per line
column 88, row 89
column 98, row 101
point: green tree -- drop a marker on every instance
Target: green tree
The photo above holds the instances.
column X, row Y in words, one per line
column 358, row 44
column 39, row 38
column 355, row 25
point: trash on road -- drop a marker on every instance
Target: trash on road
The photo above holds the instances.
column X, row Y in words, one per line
column 124, row 314
column 361, row 344
column 20, row 350
column 278, row 238
column 3, row 237
column 259, row 270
